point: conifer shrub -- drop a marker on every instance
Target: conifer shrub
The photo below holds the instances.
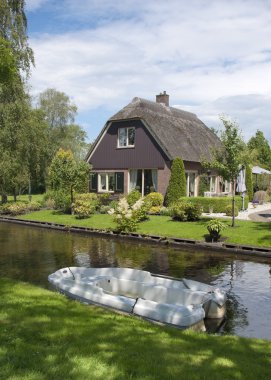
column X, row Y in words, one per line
column 177, row 183
column 249, row 184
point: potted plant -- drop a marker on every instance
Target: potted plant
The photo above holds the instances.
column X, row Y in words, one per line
column 214, row 227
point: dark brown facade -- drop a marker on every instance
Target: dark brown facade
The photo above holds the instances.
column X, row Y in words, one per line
column 146, row 153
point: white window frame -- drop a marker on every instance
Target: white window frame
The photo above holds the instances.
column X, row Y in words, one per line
column 127, row 138
column 142, row 180
column 195, row 184
column 215, row 183
column 106, row 190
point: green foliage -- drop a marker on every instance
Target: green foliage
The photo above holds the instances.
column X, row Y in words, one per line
column 104, row 199
column 66, row 174
column 249, row 185
column 104, row 209
column 177, row 211
column 128, row 216
column 193, row 211
column 261, row 182
column 165, row 211
column 62, row 201
column 230, row 157
column 133, row 197
column 88, row 197
column 59, row 113
column 13, row 28
column 154, row 210
column 214, row 227
column 8, row 69
column 83, row 209
column 204, row 184
column 228, row 210
column 185, row 211
column 177, row 183
column 217, row 204
column 19, row 208
column 260, row 148
column 155, row 199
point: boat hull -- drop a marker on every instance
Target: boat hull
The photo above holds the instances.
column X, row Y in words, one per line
column 181, row 303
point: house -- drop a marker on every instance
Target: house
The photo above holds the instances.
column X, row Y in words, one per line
column 136, row 147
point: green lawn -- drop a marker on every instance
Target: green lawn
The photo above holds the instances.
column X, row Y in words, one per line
column 245, row 232
column 44, row 335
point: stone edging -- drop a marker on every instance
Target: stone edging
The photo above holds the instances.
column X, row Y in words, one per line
column 171, row 241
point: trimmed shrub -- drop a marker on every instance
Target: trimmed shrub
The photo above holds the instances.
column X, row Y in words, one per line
column 228, row 210
column 19, row 208
column 83, row 209
column 87, row 197
column 186, row 211
column 104, row 209
column 218, row 204
column 177, row 183
column 165, row 211
column 133, row 197
column 193, row 211
column 249, row 184
column 155, row 199
column 154, row 210
column 104, row 199
column 177, row 211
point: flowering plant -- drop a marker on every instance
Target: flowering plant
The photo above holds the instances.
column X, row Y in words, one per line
column 127, row 217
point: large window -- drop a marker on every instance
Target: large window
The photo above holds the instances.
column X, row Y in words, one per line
column 190, row 184
column 143, row 180
column 213, row 184
column 126, row 137
column 106, row 182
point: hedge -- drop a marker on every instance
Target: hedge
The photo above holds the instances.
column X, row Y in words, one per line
column 218, row 204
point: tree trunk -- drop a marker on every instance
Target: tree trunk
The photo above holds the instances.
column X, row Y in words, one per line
column 233, row 204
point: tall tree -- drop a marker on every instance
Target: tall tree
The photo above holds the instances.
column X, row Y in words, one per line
column 60, row 113
column 16, row 59
column 229, row 159
column 13, row 28
column 259, row 145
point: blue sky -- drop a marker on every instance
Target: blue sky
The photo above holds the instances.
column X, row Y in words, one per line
column 212, row 56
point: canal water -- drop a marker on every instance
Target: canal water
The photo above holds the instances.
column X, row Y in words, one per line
column 31, row 254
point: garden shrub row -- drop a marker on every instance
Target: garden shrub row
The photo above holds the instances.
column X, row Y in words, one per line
column 216, row 204
column 19, row 208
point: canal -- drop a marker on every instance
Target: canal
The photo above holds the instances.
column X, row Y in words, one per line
column 31, row 254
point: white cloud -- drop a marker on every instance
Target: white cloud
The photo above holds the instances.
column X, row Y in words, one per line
column 213, row 56
column 33, row 5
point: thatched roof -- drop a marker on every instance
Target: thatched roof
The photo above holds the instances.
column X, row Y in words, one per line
column 180, row 133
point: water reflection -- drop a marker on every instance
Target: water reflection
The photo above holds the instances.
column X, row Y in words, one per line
column 30, row 254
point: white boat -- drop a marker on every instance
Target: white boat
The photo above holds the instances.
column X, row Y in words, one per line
column 183, row 303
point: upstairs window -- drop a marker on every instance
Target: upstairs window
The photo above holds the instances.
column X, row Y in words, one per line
column 126, row 137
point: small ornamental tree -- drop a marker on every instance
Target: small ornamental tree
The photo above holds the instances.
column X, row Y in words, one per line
column 229, row 159
column 249, row 184
column 66, row 174
column 177, row 183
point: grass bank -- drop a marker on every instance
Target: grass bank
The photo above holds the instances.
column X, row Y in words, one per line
column 245, row 232
column 46, row 336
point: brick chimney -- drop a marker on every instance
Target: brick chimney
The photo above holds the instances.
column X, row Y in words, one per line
column 163, row 98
